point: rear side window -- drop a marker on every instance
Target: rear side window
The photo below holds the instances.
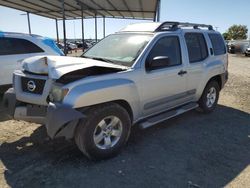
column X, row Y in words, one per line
column 217, row 43
column 197, row 47
column 11, row 46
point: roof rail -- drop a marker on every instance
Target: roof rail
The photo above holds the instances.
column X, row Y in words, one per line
column 177, row 25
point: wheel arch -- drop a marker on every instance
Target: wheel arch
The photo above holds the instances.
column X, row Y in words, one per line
column 123, row 103
column 216, row 78
column 127, row 107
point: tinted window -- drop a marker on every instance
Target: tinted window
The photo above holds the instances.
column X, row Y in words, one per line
column 167, row 46
column 10, row 46
column 197, row 47
column 217, row 43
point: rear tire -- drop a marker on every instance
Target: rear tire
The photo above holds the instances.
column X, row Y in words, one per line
column 210, row 96
column 103, row 132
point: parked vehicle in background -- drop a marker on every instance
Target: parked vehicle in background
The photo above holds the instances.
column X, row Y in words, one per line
column 247, row 52
column 144, row 74
column 71, row 46
column 84, row 45
column 15, row 47
column 60, row 45
column 238, row 46
column 231, row 48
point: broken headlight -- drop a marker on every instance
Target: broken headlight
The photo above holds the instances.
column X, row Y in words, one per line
column 57, row 93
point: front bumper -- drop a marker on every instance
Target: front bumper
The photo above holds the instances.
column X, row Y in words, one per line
column 60, row 120
column 22, row 111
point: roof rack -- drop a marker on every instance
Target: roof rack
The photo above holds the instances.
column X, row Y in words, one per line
column 166, row 26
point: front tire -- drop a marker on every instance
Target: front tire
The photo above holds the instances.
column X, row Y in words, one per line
column 210, row 96
column 104, row 131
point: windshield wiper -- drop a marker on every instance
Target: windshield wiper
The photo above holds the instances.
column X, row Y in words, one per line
column 102, row 59
column 99, row 58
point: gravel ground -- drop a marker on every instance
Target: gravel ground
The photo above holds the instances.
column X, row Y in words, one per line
column 192, row 150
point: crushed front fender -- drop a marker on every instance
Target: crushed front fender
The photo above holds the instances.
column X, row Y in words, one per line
column 61, row 120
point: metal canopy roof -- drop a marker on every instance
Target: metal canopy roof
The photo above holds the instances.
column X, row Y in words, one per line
column 135, row 9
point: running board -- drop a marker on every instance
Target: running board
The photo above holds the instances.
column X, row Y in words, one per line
column 167, row 115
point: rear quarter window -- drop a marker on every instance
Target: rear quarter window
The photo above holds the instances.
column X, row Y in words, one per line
column 11, row 46
column 51, row 43
column 217, row 43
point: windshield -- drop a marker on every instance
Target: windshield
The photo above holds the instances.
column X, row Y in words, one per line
column 122, row 49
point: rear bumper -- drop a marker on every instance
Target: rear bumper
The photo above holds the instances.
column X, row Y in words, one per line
column 60, row 120
column 224, row 78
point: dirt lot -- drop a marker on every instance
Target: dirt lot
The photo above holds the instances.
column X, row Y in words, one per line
column 193, row 150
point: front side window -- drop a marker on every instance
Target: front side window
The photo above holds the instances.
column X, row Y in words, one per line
column 11, row 46
column 217, row 43
column 121, row 49
column 197, row 48
column 168, row 47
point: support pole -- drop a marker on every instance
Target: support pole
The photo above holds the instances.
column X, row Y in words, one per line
column 95, row 28
column 64, row 28
column 104, row 27
column 82, row 29
column 28, row 17
column 158, row 10
column 57, row 34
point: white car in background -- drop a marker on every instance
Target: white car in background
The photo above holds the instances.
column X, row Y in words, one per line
column 15, row 47
column 247, row 52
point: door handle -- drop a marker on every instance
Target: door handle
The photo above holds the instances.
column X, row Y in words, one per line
column 182, row 72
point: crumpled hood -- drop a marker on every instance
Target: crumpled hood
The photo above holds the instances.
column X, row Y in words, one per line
column 57, row 66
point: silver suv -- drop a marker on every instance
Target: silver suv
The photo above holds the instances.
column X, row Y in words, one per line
column 143, row 74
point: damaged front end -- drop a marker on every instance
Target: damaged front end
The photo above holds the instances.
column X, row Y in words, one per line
column 61, row 120
column 86, row 72
column 40, row 88
column 23, row 111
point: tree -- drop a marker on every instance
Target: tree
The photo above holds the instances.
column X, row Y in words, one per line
column 226, row 36
column 237, row 32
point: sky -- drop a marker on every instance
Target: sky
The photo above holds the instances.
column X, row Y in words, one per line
column 219, row 13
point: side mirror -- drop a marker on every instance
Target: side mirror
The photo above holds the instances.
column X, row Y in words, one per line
column 158, row 62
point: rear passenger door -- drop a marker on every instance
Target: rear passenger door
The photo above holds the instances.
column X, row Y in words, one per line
column 197, row 56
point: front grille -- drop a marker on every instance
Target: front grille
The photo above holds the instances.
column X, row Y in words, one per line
column 32, row 85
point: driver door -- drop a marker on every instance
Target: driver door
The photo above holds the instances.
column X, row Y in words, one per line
column 164, row 87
